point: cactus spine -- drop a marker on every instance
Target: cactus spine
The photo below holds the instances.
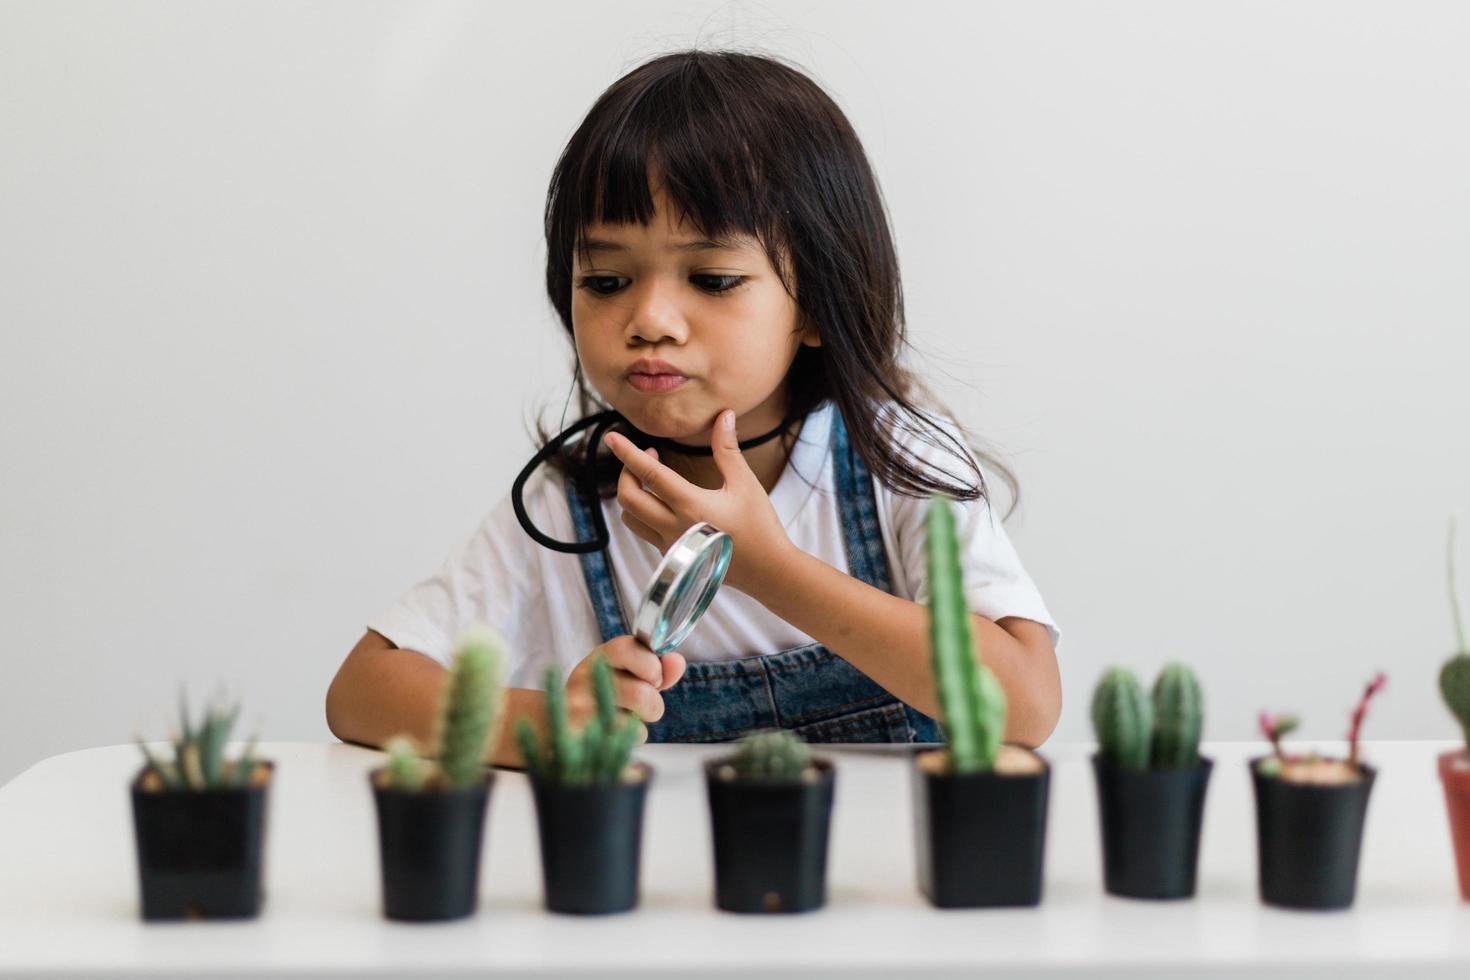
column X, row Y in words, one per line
column 972, row 703
column 1178, row 718
column 771, row 755
column 470, row 706
column 1123, row 720
column 596, row 755
column 1454, row 676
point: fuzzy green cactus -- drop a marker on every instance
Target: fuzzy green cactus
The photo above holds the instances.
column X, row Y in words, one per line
column 1178, row 718
column 778, row 755
column 198, row 761
column 599, row 753
column 406, row 770
column 1122, row 718
column 470, row 706
column 972, row 703
column 1454, row 676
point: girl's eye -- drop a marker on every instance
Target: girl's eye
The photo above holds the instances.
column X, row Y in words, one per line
column 607, row 285
column 602, row 285
column 716, row 284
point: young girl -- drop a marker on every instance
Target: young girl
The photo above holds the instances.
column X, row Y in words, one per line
column 718, row 252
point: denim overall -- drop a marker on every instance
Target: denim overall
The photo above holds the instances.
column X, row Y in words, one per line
column 807, row 689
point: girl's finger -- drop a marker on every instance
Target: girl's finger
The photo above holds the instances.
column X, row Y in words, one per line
column 627, row 654
column 643, row 530
column 653, row 476
column 639, row 697
column 728, row 457
column 643, row 505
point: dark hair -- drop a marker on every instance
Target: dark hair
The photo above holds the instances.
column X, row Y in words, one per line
column 743, row 143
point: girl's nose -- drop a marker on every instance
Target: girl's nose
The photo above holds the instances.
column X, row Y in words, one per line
column 655, row 316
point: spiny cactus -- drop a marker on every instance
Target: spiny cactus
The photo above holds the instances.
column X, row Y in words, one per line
column 1178, row 718
column 1454, row 676
column 599, row 753
column 1123, row 720
column 972, row 702
column 771, row 755
column 406, row 770
column 470, row 706
column 199, row 753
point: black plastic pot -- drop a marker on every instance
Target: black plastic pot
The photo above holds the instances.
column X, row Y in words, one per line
column 429, row 845
column 591, row 838
column 770, row 840
column 1308, row 838
column 981, row 836
column 199, row 851
column 1150, row 828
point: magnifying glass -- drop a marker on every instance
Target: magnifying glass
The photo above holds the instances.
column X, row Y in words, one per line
column 682, row 587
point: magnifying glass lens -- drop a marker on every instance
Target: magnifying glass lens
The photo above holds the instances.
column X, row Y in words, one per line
column 683, row 586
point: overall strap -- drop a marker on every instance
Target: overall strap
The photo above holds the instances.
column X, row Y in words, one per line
column 601, row 586
column 857, row 508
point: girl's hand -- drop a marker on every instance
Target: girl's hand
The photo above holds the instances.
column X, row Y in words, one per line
column 639, row 675
column 659, row 505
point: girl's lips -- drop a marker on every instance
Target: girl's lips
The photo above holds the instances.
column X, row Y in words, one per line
column 655, row 383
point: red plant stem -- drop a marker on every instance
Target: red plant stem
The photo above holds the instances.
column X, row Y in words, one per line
column 1374, row 686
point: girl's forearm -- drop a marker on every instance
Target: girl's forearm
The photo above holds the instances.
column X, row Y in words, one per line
column 887, row 638
column 381, row 691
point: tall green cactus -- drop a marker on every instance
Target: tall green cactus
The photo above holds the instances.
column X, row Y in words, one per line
column 1178, row 718
column 599, row 753
column 1123, row 720
column 1454, row 676
column 971, row 700
column 778, row 755
column 471, row 703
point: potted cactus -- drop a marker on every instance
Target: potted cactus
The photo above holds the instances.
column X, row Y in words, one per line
column 1151, row 781
column 431, row 815
column 771, row 808
column 199, row 823
column 1310, row 812
column 1454, row 766
column 979, row 806
column 589, row 800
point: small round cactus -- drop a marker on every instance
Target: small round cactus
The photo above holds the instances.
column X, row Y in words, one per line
column 406, row 771
column 771, row 755
column 1178, row 718
column 1123, row 720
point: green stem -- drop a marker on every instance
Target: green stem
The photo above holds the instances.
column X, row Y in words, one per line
column 1455, row 591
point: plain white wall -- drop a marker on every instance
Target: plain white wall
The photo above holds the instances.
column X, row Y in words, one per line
column 270, row 290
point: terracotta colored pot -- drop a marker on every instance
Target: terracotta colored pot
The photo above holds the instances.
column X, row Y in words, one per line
column 1454, row 772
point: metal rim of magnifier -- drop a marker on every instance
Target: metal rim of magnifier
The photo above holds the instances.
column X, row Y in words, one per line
column 650, row 626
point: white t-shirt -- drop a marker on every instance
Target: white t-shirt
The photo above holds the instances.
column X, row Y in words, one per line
column 538, row 599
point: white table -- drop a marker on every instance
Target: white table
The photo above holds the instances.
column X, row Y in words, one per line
column 68, row 888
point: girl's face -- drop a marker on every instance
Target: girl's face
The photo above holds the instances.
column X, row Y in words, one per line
column 672, row 329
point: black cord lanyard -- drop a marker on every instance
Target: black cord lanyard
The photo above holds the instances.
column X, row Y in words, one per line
column 586, row 477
